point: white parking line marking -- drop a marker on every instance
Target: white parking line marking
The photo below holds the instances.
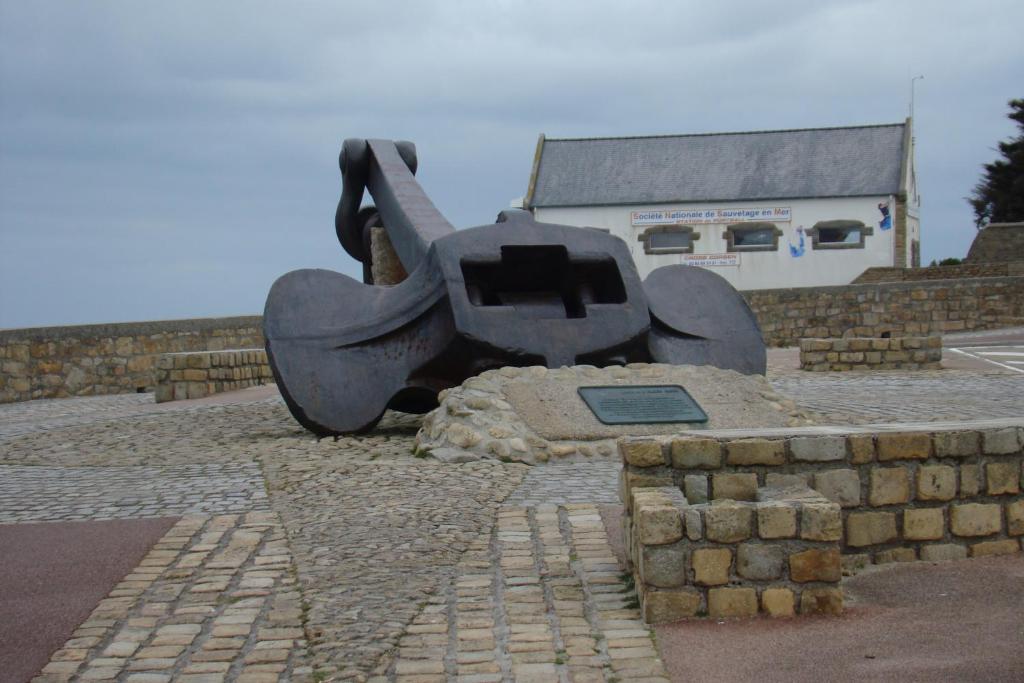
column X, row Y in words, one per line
column 987, row 360
column 999, row 353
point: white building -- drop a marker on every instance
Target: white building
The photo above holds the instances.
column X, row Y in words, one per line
column 788, row 208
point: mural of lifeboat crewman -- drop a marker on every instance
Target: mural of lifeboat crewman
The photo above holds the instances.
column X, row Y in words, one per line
column 886, row 221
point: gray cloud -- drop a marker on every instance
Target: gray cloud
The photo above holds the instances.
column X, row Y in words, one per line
column 170, row 160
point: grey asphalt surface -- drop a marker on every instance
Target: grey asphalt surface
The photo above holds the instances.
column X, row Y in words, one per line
column 52, row 575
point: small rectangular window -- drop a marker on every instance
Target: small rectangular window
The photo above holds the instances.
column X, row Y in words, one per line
column 752, row 237
column 838, row 234
column 669, row 240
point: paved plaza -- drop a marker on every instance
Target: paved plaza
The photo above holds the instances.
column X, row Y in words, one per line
column 353, row 559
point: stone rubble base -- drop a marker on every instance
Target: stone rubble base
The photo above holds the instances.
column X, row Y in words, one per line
column 477, row 420
column 202, row 373
column 889, row 493
column 871, row 353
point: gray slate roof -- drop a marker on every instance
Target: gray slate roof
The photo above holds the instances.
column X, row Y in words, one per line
column 784, row 164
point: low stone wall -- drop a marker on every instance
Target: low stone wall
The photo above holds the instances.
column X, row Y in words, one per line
column 929, row 492
column 734, row 559
column 896, row 353
column 960, row 271
column 198, row 374
column 117, row 358
column 894, row 309
column 49, row 362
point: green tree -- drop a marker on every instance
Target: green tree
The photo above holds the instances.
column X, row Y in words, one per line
column 999, row 195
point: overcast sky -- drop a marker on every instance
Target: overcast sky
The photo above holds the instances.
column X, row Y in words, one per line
column 170, row 160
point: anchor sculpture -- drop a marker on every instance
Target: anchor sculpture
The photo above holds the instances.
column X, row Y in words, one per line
column 515, row 293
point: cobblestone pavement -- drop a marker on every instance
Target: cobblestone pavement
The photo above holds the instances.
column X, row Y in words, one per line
column 28, row 416
column 375, row 540
column 923, row 396
column 563, row 483
column 48, row 494
column 395, row 568
column 541, row 598
column 373, row 532
column 42, row 415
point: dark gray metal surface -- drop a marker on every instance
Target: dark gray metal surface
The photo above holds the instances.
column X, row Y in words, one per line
column 513, row 293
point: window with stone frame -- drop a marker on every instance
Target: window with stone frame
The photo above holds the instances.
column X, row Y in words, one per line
column 668, row 239
column 756, row 236
column 839, row 234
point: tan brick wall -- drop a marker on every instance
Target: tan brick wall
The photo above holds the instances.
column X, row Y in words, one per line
column 892, row 495
column 202, row 373
column 861, row 353
column 777, row 555
column 86, row 360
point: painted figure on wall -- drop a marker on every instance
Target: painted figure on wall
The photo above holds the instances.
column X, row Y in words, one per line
column 886, row 221
column 796, row 251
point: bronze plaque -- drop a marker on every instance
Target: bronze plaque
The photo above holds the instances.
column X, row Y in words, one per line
column 642, row 404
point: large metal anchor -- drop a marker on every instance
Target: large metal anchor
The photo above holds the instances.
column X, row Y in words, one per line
column 513, row 293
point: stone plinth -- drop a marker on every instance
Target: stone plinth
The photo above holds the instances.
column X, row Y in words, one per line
column 535, row 414
column 879, row 353
column 196, row 375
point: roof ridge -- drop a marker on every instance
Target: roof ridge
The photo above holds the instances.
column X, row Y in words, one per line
column 738, row 132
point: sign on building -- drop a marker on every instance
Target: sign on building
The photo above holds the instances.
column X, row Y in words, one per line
column 710, row 260
column 773, row 214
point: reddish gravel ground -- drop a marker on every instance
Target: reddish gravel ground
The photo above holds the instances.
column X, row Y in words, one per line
column 920, row 621
column 52, row 575
column 954, row 621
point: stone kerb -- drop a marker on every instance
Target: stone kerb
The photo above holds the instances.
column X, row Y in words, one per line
column 874, row 353
column 904, row 492
column 776, row 555
column 198, row 374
